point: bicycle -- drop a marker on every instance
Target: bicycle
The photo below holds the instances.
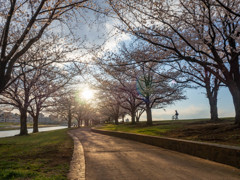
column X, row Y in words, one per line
column 175, row 117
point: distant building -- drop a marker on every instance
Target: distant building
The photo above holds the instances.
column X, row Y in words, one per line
column 15, row 118
column 9, row 117
column 53, row 117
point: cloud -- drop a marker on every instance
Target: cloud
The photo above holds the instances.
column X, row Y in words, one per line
column 97, row 39
column 114, row 38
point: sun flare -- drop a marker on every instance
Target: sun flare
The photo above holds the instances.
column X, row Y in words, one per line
column 87, row 93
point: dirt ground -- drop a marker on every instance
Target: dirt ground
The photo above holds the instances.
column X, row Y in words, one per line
column 223, row 132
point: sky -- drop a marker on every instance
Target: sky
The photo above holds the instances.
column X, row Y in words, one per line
column 195, row 106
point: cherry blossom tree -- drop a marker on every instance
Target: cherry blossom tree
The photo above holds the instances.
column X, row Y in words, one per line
column 124, row 90
column 200, row 77
column 22, row 24
column 192, row 31
column 79, row 114
column 231, row 6
column 63, row 106
column 30, row 92
column 139, row 81
column 36, row 79
column 109, row 105
column 83, row 112
column 18, row 96
column 52, row 80
column 156, row 90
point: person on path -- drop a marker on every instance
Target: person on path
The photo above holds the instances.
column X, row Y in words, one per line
column 176, row 115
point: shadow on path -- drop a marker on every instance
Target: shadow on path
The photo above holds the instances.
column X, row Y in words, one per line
column 112, row 158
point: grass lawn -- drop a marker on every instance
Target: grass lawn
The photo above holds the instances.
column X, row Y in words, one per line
column 141, row 128
column 222, row 132
column 4, row 125
column 44, row 155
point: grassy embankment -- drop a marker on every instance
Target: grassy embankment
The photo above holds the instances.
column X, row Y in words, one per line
column 223, row 132
column 44, row 155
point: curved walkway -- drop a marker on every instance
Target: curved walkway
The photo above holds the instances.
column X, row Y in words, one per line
column 112, row 158
column 77, row 166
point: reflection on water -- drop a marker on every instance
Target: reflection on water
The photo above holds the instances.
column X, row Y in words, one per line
column 16, row 132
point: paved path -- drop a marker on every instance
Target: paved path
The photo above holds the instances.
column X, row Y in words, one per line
column 111, row 158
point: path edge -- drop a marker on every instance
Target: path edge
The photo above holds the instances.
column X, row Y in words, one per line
column 77, row 166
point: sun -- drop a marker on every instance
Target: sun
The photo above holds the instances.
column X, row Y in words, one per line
column 87, row 93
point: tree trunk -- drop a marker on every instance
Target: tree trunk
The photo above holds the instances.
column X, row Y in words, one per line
column 213, row 109
column 69, row 119
column 86, row 123
column 79, row 123
column 35, row 124
column 149, row 114
column 4, row 78
column 212, row 98
column 212, row 94
column 236, row 101
column 133, row 116
column 123, row 119
column 137, row 119
column 138, row 115
column 2, row 86
column 116, row 120
column 23, row 123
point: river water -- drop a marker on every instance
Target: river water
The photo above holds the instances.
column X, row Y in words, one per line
column 16, row 132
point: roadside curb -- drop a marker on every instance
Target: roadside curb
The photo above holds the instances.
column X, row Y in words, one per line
column 224, row 154
column 77, row 165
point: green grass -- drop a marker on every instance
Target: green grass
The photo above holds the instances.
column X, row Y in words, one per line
column 43, row 155
column 159, row 128
column 141, row 128
column 222, row 132
column 5, row 124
